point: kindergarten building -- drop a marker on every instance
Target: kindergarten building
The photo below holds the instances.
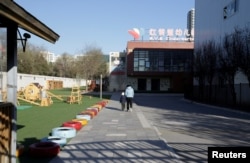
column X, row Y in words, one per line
column 159, row 66
column 159, row 61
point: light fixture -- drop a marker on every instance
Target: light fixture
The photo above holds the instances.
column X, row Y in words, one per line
column 23, row 40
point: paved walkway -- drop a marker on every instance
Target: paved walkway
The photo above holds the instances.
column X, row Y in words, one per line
column 116, row 136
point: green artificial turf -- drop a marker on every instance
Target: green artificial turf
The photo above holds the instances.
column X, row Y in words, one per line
column 37, row 122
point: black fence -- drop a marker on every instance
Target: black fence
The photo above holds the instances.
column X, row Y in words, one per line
column 221, row 95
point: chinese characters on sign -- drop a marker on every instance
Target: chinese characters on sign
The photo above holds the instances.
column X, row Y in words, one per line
column 171, row 34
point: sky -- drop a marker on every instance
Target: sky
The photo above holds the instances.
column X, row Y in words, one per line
column 102, row 23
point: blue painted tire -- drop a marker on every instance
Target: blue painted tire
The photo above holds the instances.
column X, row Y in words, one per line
column 83, row 116
column 65, row 132
column 56, row 139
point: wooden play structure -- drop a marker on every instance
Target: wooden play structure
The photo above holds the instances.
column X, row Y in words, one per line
column 54, row 84
column 75, row 96
column 34, row 94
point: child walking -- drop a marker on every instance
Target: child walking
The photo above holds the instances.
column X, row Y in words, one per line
column 123, row 101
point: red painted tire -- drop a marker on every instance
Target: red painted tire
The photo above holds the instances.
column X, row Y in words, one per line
column 44, row 149
column 74, row 124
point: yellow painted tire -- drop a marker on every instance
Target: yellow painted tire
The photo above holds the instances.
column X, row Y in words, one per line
column 82, row 121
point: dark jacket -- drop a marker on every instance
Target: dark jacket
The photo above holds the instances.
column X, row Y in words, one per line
column 122, row 99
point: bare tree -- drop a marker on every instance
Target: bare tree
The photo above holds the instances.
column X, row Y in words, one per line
column 210, row 51
column 89, row 64
column 31, row 61
column 245, row 62
column 65, row 65
column 199, row 70
column 230, row 60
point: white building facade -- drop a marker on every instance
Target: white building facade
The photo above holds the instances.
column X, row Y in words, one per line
column 117, row 71
column 49, row 56
column 24, row 80
column 215, row 18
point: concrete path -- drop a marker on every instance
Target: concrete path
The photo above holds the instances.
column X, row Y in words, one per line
column 116, row 136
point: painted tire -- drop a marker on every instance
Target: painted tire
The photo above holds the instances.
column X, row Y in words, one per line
column 82, row 121
column 74, row 124
column 98, row 106
column 44, row 149
column 56, row 139
column 19, row 150
column 99, row 103
column 93, row 110
column 91, row 114
column 82, row 116
column 65, row 132
column 102, row 103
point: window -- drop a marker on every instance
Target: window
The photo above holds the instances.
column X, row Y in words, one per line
column 230, row 9
column 162, row 60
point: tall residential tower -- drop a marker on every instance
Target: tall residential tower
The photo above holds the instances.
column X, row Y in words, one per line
column 190, row 22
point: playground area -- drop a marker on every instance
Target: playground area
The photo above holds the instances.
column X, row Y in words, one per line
column 39, row 95
column 40, row 109
column 36, row 95
column 36, row 123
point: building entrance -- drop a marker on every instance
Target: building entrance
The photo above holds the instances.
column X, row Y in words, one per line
column 155, row 84
column 142, row 84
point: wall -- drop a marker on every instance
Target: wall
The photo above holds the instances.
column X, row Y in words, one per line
column 25, row 79
column 117, row 82
column 210, row 23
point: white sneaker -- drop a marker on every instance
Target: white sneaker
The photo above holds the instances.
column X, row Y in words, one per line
column 131, row 110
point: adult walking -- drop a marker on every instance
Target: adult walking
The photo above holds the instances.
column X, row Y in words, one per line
column 129, row 93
